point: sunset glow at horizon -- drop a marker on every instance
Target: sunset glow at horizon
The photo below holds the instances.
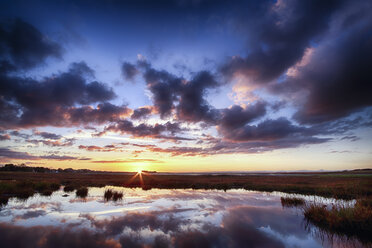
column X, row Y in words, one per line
column 199, row 86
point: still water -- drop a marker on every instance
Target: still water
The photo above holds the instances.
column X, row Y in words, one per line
column 161, row 218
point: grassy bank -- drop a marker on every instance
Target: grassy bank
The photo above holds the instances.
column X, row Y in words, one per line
column 352, row 221
column 23, row 189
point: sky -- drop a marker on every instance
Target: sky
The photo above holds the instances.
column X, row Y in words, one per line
column 186, row 86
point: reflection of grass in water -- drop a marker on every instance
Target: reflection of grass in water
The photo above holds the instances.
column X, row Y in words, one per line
column 3, row 200
column 291, row 201
column 82, row 192
column 352, row 221
column 329, row 239
column 112, row 195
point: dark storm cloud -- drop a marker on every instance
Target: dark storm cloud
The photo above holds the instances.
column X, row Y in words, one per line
column 192, row 106
column 26, row 102
column 141, row 113
column 144, row 130
column 236, row 116
column 59, row 100
column 333, row 84
column 264, row 131
column 341, row 84
column 279, row 33
column 63, row 89
column 105, row 112
column 164, row 87
column 47, row 135
column 19, row 134
column 23, row 46
column 237, row 134
column 53, row 143
column 129, row 71
column 185, row 97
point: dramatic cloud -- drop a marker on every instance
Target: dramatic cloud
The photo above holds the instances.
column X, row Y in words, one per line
column 237, row 117
column 285, row 74
column 105, row 112
column 192, row 106
column 340, row 84
column 144, row 130
column 266, row 130
column 47, row 135
column 55, row 100
column 164, row 87
column 186, row 97
column 129, row 71
column 279, row 33
column 141, row 113
column 62, row 142
column 23, row 46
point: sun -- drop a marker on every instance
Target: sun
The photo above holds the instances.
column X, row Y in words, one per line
column 139, row 171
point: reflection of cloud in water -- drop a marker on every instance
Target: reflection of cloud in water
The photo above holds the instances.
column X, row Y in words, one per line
column 30, row 214
column 156, row 218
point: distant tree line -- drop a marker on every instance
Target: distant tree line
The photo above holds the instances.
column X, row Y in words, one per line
column 25, row 168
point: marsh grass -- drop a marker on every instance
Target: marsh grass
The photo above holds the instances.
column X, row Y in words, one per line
column 68, row 188
column 82, row 192
column 112, row 195
column 343, row 219
column 292, row 201
column 25, row 189
column 321, row 184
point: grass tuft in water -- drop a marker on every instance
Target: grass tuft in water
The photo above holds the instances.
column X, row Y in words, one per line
column 82, row 192
column 68, row 188
column 112, row 195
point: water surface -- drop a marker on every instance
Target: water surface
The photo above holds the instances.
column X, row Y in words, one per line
column 161, row 218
